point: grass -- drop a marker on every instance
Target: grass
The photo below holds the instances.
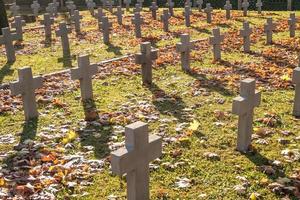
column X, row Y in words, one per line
column 215, row 134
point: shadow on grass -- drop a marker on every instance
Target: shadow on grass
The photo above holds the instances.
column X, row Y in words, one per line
column 168, row 104
column 92, row 135
column 67, row 61
column 6, row 71
column 201, row 30
column 115, row 49
column 29, row 130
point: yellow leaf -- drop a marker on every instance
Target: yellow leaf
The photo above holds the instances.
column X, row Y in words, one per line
column 194, row 125
column 70, row 137
column 285, row 77
column 253, row 196
column 2, row 182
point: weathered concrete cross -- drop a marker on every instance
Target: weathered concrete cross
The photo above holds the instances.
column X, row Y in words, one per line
column 184, row 47
column 55, row 7
column 245, row 6
column 170, row 5
column 140, row 149
column 110, row 5
column 14, row 8
column 165, row 19
column 99, row 16
column 119, row 14
column 245, row 33
column 259, row 5
column 50, row 9
column 228, row 8
column 18, row 25
column 208, row 11
column 7, row 39
column 91, row 6
column 188, row 3
column 106, row 25
column 269, row 28
column 63, row 34
column 127, row 3
column 145, row 58
column 137, row 21
column 292, row 24
column 187, row 13
column 26, row 86
column 153, row 9
column 296, row 80
column 84, row 73
column 47, row 22
column 289, row 5
column 216, row 41
column 72, row 7
column 35, row 6
column 243, row 106
column 137, row 8
column 199, row 4
column 76, row 19
column 239, row 4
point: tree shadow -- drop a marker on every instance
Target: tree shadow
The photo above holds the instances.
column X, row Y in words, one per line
column 168, row 104
column 92, row 135
column 286, row 47
column 67, row 61
column 115, row 49
column 201, row 30
column 6, row 71
column 29, row 129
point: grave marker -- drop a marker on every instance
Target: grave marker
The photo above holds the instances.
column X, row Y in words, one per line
column 84, row 73
column 18, row 25
column 7, row 39
column 138, row 8
column 208, row 11
column 289, row 5
column 76, row 19
column 71, row 7
column 296, row 80
column 292, row 24
column 269, row 28
column 47, row 22
column 199, row 4
column 228, row 8
column 55, row 7
column 127, row 3
column 119, row 14
column 63, row 32
column 35, row 6
column 245, row 6
column 14, row 8
column 106, row 25
column 137, row 21
column 26, row 86
column 110, row 5
column 153, row 9
column 170, row 5
column 140, row 149
column 99, row 16
column 184, row 47
column 259, row 6
column 239, row 4
column 91, row 7
column 245, row 33
column 165, row 19
column 50, row 9
column 187, row 13
column 243, row 106
column 216, row 41
column 145, row 58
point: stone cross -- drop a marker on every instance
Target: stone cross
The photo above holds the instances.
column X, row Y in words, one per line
column 245, row 33
column 63, row 34
column 292, row 24
column 18, row 25
column 199, row 3
column 140, row 149
column 216, row 41
column 106, row 25
column 259, row 6
column 50, row 9
column 26, row 86
column 140, row 2
column 35, row 6
column 119, row 14
column 269, row 28
column 7, row 39
column 127, row 3
column 153, row 9
column 138, row 8
column 55, row 7
column 72, row 7
column 228, row 8
column 110, row 5
column 91, row 6
column 245, row 6
column 14, row 8
column 296, row 80
column 243, row 106
column 145, row 58
column 84, row 73
column 289, row 5
column 104, row 2
column 188, row 3
column 184, row 47
column 76, row 19
column 99, row 16
column 187, row 13
column 165, row 19
column 239, row 4
column 170, row 5
column 47, row 22
column 208, row 11
column 137, row 21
